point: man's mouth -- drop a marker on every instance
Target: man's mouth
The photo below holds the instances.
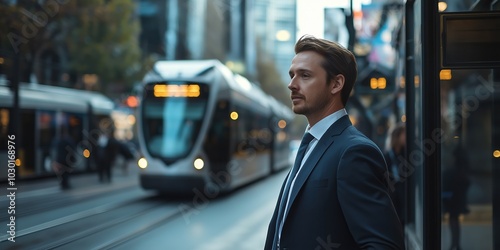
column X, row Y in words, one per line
column 296, row 98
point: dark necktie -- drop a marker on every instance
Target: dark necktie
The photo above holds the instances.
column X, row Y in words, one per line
column 306, row 139
column 284, row 197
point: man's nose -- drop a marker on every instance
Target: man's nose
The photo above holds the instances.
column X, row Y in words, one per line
column 292, row 84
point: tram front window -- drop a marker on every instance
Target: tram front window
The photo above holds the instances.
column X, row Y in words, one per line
column 172, row 121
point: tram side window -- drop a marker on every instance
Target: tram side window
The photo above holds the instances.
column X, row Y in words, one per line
column 4, row 128
column 23, row 139
column 252, row 133
column 47, row 126
column 102, row 123
column 26, row 147
column 48, row 123
column 217, row 140
column 75, row 125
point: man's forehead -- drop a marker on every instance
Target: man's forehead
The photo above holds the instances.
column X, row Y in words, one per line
column 306, row 60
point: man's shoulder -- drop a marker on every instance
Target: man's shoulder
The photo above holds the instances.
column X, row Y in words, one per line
column 356, row 138
column 354, row 133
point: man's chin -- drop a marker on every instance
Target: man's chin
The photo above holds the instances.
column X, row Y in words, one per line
column 298, row 110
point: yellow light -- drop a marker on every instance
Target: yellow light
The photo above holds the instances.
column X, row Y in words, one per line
column 234, row 115
column 1, row 60
column 4, row 117
column 236, row 66
column 172, row 90
column 142, row 163
column 283, row 35
column 281, row 136
column 381, row 83
column 198, row 163
column 442, row 6
column 403, row 118
column 90, row 79
column 402, row 82
column 131, row 119
column 373, row 83
column 496, row 153
column 86, row 153
column 416, row 80
column 378, row 83
column 445, row 74
column 353, row 119
column 18, row 162
column 282, row 124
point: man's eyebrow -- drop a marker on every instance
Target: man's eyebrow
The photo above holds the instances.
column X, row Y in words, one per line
column 300, row 70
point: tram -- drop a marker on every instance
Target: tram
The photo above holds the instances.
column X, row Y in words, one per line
column 203, row 128
column 42, row 110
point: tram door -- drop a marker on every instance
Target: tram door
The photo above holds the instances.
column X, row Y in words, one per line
column 470, row 122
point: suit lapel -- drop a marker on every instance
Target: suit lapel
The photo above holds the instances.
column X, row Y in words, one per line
column 326, row 140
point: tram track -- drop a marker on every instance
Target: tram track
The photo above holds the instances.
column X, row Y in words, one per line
column 52, row 201
column 116, row 243
column 147, row 212
column 67, row 242
column 68, row 219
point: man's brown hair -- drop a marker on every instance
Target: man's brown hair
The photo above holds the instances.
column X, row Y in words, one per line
column 337, row 60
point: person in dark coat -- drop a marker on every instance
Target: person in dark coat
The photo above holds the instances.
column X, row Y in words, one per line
column 107, row 151
column 455, row 181
column 394, row 157
column 63, row 147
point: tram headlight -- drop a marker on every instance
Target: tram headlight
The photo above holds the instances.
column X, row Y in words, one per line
column 198, row 163
column 142, row 163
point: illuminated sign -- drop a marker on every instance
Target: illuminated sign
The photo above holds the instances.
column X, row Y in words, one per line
column 173, row 90
column 378, row 83
column 378, row 80
column 445, row 74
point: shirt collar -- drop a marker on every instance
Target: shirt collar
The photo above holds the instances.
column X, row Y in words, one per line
column 319, row 129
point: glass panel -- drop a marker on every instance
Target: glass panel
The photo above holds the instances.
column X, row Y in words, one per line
column 467, row 108
column 217, row 143
column 172, row 119
column 469, row 177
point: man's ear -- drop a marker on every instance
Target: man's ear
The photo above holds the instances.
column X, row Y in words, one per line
column 337, row 83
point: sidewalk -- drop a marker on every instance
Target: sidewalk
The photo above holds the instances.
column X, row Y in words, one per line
column 476, row 229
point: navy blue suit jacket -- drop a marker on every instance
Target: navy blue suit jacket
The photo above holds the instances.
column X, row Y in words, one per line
column 340, row 199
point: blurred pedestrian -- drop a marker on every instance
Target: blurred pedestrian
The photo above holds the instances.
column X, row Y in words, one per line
column 455, row 186
column 63, row 148
column 129, row 152
column 105, row 155
column 395, row 157
column 336, row 196
column 108, row 148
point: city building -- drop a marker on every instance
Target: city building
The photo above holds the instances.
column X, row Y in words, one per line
column 276, row 28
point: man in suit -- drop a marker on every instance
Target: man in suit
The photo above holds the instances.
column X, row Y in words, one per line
column 336, row 196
